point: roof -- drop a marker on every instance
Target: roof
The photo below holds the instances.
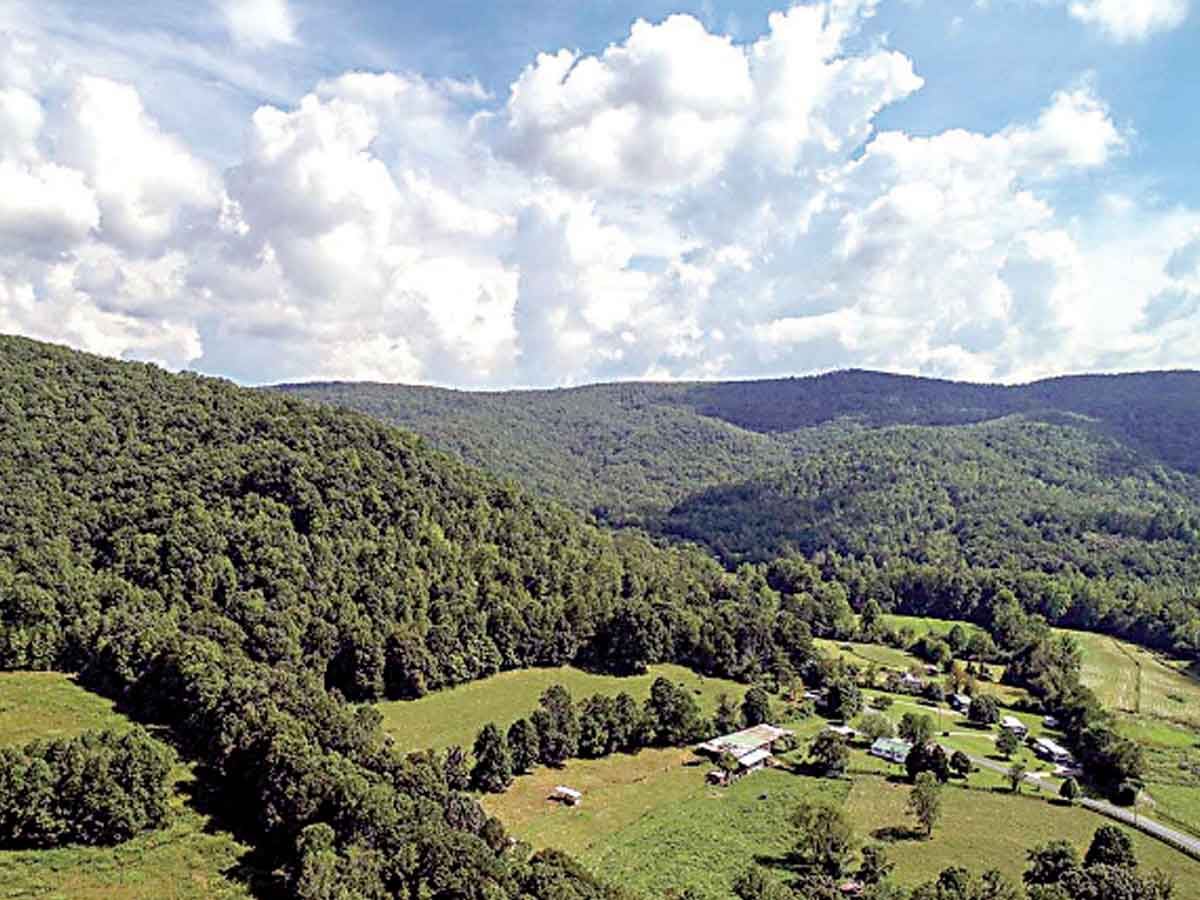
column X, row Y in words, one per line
column 754, row 757
column 568, row 792
column 746, row 741
column 843, row 730
column 1013, row 722
column 891, row 746
column 961, row 698
column 1052, row 747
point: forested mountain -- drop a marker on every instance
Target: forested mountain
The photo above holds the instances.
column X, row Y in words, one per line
column 1093, row 474
column 239, row 565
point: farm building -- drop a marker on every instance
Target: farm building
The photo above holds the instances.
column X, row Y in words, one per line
column 891, row 749
column 843, row 731
column 1052, row 751
column 960, row 702
column 751, row 748
column 1015, row 725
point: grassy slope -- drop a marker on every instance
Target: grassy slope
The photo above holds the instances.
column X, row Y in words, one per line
column 455, row 716
column 187, row 860
column 968, row 833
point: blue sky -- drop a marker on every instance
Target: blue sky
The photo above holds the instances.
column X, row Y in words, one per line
column 537, row 193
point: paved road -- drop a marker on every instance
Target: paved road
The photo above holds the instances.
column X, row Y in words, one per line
column 1177, row 839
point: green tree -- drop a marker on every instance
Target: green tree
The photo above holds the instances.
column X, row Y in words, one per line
column 875, row 866
column 960, row 764
column 829, row 754
column 1069, row 790
column 1007, row 743
column 492, row 772
column 983, row 710
column 1048, row 863
column 458, row 776
column 916, row 728
column 674, row 713
column 873, row 726
column 1016, row 775
column 843, row 699
column 825, row 841
column 727, row 718
column 925, row 801
column 756, row 707
column 1110, row 846
column 524, row 747
column 557, row 725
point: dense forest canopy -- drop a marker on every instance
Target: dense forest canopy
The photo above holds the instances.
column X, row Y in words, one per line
column 1094, row 475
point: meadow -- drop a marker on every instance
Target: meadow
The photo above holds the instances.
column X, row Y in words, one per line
column 969, row 833
column 455, row 716
column 189, row 860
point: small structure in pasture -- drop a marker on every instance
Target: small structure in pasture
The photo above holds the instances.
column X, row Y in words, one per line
column 569, row 796
column 842, row 731
column 891, row 749
column 1015, row 725
column 960, row 702
column 751, row 750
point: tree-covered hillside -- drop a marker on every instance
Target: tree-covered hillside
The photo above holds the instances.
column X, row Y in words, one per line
column 239, row 566
column 1092, row 474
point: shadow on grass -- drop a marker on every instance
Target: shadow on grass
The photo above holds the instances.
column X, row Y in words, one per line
column 893, row 834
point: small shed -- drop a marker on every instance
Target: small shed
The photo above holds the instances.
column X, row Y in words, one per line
column 960, row 702
column 567, row 795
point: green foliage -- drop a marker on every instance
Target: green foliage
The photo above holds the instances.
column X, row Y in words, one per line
column 925, row 801
column 916, row 728
column 756, row 707
column 825, row 841
column 1110, row 846
column 1007, row 743
column 524, row 747
column 493, row 764
column 984, row 710
column 1016, row 776
column 1048, row 863
column 100, row 788
column 1069, row 790
column 830, row 754
column 960, row 764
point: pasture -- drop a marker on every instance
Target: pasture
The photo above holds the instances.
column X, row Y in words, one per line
column 188, row 860
column 455, row 716
column 991, row 829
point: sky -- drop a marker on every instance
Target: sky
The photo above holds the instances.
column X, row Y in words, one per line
column 555, row 192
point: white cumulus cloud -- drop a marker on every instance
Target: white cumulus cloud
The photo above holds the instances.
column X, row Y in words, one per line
column 1131, row 20
column 257, row 24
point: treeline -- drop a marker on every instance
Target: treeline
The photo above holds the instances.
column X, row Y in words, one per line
column 100, row 788
column 561, row 729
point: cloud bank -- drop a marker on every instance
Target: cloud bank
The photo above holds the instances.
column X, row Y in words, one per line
column 678, row 205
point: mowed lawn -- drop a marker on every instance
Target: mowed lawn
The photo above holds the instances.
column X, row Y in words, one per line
column 186, row 861
column 455, row 716
column 984, row 829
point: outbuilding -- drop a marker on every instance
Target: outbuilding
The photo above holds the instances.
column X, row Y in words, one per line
column 567, row 795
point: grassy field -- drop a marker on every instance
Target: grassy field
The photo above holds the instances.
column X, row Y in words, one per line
column 995, row 827
column 189, row 860
column 1110, row 668
column 48, row 705
column 865, row 654
column 455, row 716
column 922, row 625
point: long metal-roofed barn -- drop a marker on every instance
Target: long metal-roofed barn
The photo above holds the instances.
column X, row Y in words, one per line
column 751, row 747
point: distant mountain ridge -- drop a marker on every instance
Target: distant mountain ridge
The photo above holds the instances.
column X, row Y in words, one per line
column 1095, row 472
